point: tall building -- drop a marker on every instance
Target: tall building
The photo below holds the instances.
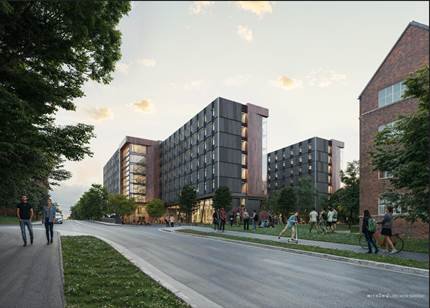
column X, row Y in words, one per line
column 381, row 104
column 223, row 145
column 133, row 171
column 316, row 158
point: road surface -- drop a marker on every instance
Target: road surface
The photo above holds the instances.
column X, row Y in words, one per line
column 238, row 275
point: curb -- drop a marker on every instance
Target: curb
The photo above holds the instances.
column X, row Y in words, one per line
column 188, row 295
column 60, row 252
column 104, row 223
column 366, row 263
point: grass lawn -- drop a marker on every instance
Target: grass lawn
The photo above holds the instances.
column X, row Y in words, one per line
column 336, row 252
column 415, row 245
column 8, row 220
column 96, row 275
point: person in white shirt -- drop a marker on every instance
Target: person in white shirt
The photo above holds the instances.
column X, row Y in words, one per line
column 330, row 219
column 312, row 220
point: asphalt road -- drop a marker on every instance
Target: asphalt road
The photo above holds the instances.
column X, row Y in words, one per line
column 236, row 275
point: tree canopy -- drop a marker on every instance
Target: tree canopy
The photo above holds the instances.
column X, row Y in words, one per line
column 402, row 149
column 92, row 204
column 187, row 201
column 222, row 198
column 48, row 50
column 156, row 208
column 121, row 205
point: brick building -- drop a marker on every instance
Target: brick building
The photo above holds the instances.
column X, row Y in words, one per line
column 381, row 103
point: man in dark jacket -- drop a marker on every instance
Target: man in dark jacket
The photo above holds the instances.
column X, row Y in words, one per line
column 368, row 234
column 24, row 211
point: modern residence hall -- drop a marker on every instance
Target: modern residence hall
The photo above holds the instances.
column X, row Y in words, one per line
column 222, row 145
column 316, row 158
column 381, row 104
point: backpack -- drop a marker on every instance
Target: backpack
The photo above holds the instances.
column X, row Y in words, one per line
column 371, row 225
column 256, row 217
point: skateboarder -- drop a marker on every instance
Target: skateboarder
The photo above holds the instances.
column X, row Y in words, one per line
column 291, row 224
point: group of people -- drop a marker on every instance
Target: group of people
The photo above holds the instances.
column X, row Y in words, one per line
column 25, row 213
column 219, row 219
column 324, row 221
column 368, row 228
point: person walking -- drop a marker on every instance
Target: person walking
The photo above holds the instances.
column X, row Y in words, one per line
column 223, row 219
column 322, row 221
column 334, row 219
column 24, row 212
column 231, row 219
column 245, row 220
column 368, row 228
column 215, row 219
column 254, row 221
column 291, row 224
column 313, row 215
column 48, row 219
column 238, row 218
column 330, row 219
column 387, row 230
column 172, row 221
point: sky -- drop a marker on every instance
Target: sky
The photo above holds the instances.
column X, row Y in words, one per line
column 307, row 62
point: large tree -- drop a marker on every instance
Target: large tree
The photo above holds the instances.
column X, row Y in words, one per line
column 287, row 201
column 402, row 149
column 222, row 198
column 92, row 204
column 121, row 205
column 155, row 208
column 48, row 50
column 306, row 194
column 187, row 201
column 346, row 199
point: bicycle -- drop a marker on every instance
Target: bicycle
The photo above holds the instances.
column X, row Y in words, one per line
column 379, row 239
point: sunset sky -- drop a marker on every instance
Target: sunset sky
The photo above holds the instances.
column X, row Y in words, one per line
column 306, row 62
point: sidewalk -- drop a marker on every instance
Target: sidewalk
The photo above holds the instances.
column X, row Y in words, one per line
column 30, row 276
column 404, row 254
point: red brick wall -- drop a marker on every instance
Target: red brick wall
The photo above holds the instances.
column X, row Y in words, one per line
column 410, row 53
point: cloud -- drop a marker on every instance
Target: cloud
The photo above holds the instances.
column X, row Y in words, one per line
column 144, row 105
column 199, row 7
column 122, row 67
column 147, row 62
column 235, row 81
column 288, row 83
column 100, row 113
column 324, row 78
column 259, row 8
column 245, row 33
column 194, row 84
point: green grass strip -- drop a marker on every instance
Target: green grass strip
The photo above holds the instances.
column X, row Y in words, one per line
column 335, row 252
column 96, row 275
column 8, row 220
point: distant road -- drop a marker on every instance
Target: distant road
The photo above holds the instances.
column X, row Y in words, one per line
column 237, row 275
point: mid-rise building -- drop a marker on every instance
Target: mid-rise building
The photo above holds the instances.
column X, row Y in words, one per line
column 381, row 103
column 223, row 145
column 316, row 158
column 133, row 171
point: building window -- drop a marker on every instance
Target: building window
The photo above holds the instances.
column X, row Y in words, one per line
column 243, row 160
column 391, row 94
column 385, row 175
column 244, row 174
column 383, row 203
column 330, row 189
column 244, row 146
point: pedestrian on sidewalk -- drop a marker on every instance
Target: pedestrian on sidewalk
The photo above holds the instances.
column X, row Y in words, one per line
column 238, row 218
column 48, row 219
column 368, row 228
column 222, row 218
column 231, row 219
column 330, row 219
column 245, row 220
column 215, row 219
column 24, row 211
column 313, row 215
column 166, row 220
column 291, row 224
column 334, row 219
column 172, row 221
column 387, row 230
column 254, row 221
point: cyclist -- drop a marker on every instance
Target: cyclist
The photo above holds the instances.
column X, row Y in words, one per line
column 387, row 226
column 368, row 229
